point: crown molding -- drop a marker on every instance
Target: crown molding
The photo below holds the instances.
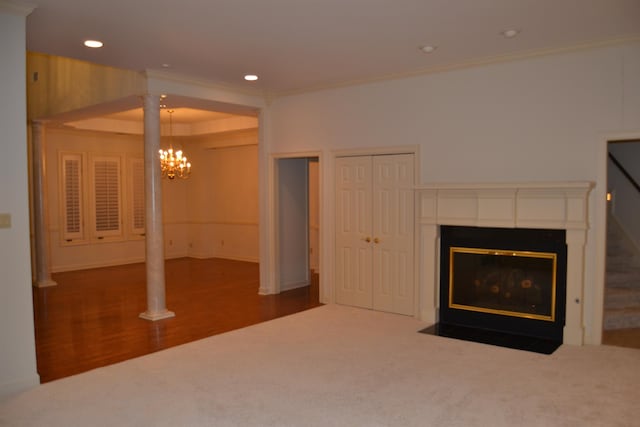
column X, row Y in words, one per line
column 463, row 65
column 18, row 8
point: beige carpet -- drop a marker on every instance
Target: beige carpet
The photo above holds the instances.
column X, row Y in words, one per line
column 341, row 366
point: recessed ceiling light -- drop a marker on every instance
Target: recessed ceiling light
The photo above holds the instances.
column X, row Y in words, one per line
column 510, row 33
column 428, row 49
column 93, row 43
column 251, row 77
column 166, row 65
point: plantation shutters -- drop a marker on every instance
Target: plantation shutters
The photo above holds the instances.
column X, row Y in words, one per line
column 71, row 166
column 137, row 197
column 107, row 200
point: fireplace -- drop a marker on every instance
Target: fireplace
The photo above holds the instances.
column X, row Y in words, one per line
column 510, row 283
column 546, row 207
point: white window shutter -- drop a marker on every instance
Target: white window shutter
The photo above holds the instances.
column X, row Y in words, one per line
column 137, row 197
column 107, row 203
column 72, row 197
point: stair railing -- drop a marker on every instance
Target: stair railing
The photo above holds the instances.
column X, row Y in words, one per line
column 624, row 172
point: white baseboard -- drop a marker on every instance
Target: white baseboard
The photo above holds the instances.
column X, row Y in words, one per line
column 223, row 256
column 175, row 255
column 85, row 266
column 295, row 285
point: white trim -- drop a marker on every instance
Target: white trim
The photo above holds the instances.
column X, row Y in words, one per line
column 88, row 266
column 477, row 62
column 274, row 286
column 378, row 151
column 295, row 285
column 600, row 228
column 265, row 205
column 18, row 8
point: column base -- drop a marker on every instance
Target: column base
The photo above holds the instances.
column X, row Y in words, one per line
column 264, row 291
column 44, row 283
column 159, row 315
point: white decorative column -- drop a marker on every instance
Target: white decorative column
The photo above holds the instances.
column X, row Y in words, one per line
column 156, row 302
column 41, row 230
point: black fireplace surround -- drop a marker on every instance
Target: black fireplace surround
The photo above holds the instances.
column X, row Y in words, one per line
column 508, row 283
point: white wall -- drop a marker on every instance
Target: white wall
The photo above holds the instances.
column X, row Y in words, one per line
column 539, row 119
column 17, row 354
column 223, row 200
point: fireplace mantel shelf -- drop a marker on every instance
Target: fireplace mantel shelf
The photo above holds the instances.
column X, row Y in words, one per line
column 557, row 205
column 549, row 205
column 561, row 185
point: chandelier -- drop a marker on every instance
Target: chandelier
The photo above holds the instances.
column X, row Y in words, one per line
column 173, row 163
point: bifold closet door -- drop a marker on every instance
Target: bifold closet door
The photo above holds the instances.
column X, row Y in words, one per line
column 374, row 232
column 354, row 200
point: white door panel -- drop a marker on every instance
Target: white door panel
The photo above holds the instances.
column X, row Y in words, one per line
column 374, row 232
column 393, row 216
column 353, row 228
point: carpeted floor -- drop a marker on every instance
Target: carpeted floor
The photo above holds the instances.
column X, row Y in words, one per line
column 342, row 366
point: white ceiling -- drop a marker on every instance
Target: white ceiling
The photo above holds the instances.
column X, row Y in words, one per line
column 303, row 44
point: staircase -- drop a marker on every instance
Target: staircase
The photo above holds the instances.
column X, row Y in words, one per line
column 622, row 280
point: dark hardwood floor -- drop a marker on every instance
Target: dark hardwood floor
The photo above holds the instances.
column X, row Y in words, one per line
column 91, row 318
column 622, row 338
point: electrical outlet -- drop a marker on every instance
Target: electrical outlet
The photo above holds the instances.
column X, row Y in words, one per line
column 5, row 220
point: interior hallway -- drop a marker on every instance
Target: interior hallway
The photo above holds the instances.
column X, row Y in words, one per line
column 91, row 318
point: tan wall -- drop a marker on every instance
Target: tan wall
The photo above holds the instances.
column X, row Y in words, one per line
column 212, row 214
column 58, row 85
column 223, row 196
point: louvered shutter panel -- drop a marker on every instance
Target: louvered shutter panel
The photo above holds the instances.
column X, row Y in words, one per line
column 137, row 197
column 72, row 197
column 107, row 196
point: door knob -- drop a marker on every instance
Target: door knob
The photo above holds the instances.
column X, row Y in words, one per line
column 367, row 239
column 376, row 240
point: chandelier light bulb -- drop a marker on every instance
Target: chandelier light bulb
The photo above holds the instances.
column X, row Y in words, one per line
column 173, row 164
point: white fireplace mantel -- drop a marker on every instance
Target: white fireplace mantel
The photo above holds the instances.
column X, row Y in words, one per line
column 549, row 205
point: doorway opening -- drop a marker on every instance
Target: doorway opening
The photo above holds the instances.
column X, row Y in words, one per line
column 298, row 262
column 621, row 320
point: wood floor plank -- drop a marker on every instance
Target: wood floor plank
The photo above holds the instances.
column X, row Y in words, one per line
column 91, row 318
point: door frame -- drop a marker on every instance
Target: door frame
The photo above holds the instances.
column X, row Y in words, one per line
column 600, row 230
column 273, row 226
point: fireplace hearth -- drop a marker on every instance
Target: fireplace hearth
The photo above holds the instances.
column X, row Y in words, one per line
column 505, row 286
